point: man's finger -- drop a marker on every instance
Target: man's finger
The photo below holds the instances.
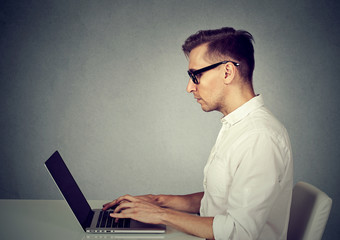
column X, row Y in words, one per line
column 125, row 213
column 109, row 205
column 126, row 198
column 118, row 201
column 123, row 206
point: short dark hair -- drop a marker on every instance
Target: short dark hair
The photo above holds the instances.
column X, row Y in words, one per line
column 223, row 43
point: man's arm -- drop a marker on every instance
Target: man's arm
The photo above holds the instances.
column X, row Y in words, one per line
column 186, row 203
column 137, row 209
column 191, row 224
column 190, row 203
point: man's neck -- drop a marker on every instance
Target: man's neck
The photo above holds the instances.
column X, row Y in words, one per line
column 236, row 99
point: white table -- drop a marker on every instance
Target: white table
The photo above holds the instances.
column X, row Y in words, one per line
column 53, row 219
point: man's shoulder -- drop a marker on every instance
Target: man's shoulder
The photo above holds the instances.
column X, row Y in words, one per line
column 261, row 122
column 263, row 118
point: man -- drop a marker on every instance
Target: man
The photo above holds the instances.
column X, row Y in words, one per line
column 249, row 174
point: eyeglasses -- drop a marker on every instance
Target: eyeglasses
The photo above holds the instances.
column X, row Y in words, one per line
column 193, row 74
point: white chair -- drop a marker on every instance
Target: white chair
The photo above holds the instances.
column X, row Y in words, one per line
column 308, row 213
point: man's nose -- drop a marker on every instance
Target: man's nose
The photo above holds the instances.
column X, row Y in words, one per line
column 191, row 87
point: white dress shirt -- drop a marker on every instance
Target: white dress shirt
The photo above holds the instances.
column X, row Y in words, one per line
column 249, row 176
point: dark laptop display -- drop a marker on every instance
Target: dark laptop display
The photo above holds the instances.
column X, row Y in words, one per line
column 91, row 220
column 70, row 189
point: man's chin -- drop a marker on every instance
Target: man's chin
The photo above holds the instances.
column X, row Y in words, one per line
column 205, row 108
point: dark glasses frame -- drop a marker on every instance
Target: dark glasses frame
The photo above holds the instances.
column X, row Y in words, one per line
column 193, row 74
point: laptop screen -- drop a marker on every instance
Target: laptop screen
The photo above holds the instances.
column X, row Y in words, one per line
column 69, row 188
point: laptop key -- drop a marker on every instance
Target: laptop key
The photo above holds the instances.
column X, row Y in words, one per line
column 127, row 223
column 99, row 218
column 121, row 223
column 103, row 223
column 109, row 221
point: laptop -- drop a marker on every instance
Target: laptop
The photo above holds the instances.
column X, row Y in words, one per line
column 91, row 220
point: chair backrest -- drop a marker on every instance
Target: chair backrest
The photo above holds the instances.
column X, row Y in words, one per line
column 308, row 213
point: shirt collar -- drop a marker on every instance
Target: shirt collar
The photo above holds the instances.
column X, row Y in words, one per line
column 242, row 111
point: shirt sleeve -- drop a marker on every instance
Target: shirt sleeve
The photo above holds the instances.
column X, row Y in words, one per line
column 256, row 182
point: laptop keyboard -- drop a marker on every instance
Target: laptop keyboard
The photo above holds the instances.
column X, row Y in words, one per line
column 105, row 221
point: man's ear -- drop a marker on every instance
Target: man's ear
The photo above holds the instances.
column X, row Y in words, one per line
column 229, row 73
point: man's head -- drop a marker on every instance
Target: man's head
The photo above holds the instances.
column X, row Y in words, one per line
column 226, row 43
column 221, row 64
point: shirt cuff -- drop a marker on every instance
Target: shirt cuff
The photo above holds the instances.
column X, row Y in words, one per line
column 223, row 227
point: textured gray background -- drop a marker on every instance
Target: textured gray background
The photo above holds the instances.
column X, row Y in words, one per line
column 104, row 83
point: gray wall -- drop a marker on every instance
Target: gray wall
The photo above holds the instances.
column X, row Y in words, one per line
column 104, row 83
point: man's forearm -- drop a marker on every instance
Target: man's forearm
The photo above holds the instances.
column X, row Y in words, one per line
column 188, row 203
column 150, row 212
column 191, row 224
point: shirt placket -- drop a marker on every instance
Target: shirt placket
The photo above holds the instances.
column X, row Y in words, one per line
column 219, row 139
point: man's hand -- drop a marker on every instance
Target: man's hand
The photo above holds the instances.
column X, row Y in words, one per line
column 150, row 198
column 141, row 208
column 185, row 203
column 164, row 209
